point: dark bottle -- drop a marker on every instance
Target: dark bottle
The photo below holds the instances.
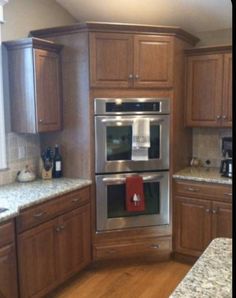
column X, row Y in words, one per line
column 57, row 163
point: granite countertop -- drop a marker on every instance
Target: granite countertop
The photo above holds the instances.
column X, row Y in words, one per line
column 202, row 174
column 17, row 196
column 211, row 275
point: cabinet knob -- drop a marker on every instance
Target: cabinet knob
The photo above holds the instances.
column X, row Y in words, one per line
column 214, row 211
column 136, row 76
column 131, row 76
column 228, row 194
column 156, row 246
column 224, row 117
column 192, row 189
column 208, row 210
column 58, row 229
column 40, row 120
column 62, row 227
column 218, row 117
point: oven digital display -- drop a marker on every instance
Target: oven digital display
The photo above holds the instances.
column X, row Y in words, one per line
column 133, row 107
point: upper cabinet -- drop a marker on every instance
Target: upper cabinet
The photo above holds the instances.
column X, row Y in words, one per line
column 35, row 85
column 131, row 60
column 209, row 87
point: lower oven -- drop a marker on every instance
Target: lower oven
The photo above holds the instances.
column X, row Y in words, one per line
column 111, row 213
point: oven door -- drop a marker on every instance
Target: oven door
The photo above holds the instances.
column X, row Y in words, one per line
column 110, row 201
column 113, row 144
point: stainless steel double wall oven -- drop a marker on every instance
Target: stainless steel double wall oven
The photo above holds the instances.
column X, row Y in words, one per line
column 114, row 118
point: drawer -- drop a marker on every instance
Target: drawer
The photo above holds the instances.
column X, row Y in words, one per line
column 54, row 207
column 208, row 190
column 148, row 247
column 7, row 233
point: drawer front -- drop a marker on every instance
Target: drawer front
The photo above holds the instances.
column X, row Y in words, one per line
column 208, row 190
column 7, row 233
column 56, row 206
column 135, row 249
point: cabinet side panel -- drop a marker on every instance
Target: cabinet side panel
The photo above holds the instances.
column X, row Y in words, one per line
column 21, row 85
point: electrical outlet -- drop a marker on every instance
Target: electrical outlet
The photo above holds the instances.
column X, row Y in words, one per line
column 21, row 152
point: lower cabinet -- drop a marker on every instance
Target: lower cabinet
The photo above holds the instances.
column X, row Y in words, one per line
column 201, row 213
column 53, row 251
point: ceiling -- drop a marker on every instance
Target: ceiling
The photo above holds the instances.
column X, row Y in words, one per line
column 191, row 15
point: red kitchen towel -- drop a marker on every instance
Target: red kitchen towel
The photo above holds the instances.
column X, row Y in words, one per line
column 134, row 194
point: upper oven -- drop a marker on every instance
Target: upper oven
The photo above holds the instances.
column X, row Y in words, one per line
column 115, row 120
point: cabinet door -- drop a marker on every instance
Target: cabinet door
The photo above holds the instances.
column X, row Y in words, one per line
column 8, row 276
column 111, row 60
column 48, row 90
column 73, row 242
column 227, row 92
column 36, row 258
column 204, row 90
column 221, row 220
column 192, row 225
column 153, row 61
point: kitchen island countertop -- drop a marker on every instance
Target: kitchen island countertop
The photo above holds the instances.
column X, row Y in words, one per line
column 211, row 275
column 17, row 196
column 202, row 174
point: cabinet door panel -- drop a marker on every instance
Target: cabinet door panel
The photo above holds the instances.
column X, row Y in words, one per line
column 110, row 60
column 153, row 61
column 204, row 90
column 73, row 242
column 221, row 220
column 227, row 91
column 192, row 226
column 36, row 251
column 8, row 276
column 48, row 86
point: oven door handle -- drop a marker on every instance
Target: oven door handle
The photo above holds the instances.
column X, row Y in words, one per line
column 129, row 120
column 148, row 178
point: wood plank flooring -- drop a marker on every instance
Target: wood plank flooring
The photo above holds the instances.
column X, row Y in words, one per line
column 147, row 280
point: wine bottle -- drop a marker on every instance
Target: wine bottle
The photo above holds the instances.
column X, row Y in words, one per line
column 57, row 163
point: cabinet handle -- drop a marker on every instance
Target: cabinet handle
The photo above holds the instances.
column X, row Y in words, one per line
column 156, row 246
column 208, row 210
column 40, row 120
column 214, row 211
column 75, row 200
column 136, row 76
column 58, row 229
column 223, row 117
column 218, row 117
column 131, row 76
column 40, row 214
column 228, row 194
column 62, row 227
column 192, row 189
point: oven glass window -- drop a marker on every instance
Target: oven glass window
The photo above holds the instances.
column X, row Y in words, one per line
column 116, row 200
column 119, row 142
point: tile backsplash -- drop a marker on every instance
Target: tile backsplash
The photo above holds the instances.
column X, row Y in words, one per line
column 207, row 144
column 22, row 150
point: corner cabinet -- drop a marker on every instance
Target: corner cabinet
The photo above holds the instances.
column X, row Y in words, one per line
column 201, row 212
column 35, row 85
column 209, row 87
column 130, row 60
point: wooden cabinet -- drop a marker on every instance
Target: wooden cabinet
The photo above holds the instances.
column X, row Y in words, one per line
column 130, row 61
column 34, row 85
column 8, row 269
column 54, row 250
column 201, row 213
column 209, row 87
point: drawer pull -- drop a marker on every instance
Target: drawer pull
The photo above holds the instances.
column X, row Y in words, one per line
column 40, row 214
column 228, row 194
column 208, row 210
column 192, row 189
column 155, row 246
column 75, row 200
column 214, row 211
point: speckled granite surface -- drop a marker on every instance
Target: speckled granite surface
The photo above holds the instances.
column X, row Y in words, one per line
column 17, row 196
column 211, row 275
column 202, row 174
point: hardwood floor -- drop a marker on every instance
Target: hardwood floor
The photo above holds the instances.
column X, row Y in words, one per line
column 147, row 280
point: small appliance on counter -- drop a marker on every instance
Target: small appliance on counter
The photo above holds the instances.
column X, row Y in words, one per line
column 226, row 164
column 25, row 175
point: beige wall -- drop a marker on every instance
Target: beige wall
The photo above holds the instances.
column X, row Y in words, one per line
column 215, row 37
column 21, row 16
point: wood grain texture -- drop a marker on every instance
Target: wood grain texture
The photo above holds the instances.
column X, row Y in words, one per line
column 137, row 279
column 7, row 233
column 227, row 92
column 221, row 220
